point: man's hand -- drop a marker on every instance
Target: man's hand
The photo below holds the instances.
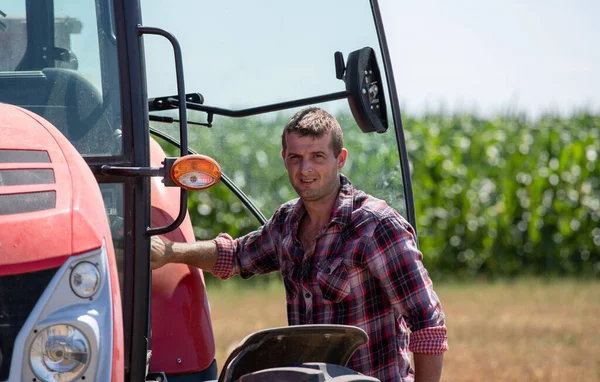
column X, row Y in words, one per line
column 160, row 252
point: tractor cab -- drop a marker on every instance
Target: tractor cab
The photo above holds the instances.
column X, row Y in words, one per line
column 116, row 116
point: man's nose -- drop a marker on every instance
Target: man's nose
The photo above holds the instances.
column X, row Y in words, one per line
column 305, row 166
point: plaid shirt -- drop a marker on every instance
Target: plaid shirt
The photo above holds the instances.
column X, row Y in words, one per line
column 365, row 270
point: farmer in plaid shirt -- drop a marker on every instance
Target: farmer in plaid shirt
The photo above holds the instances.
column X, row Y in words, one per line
column 345, row 257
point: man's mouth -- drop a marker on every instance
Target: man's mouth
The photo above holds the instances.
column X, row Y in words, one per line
column 307, row 181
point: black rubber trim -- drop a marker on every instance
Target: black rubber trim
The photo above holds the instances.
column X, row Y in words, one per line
column 400, row 139
column 208, row 374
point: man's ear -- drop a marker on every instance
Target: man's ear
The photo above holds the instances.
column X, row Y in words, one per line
column 342, row 158
column 283, row 156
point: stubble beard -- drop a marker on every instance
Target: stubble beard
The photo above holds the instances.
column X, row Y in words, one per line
column 307, row 194
column 316, row 194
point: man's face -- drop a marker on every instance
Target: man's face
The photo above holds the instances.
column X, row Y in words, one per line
column 312, row 166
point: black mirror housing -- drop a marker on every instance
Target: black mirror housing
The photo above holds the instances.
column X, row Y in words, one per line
column 367, row 99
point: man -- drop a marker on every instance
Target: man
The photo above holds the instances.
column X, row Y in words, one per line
column 345, row 257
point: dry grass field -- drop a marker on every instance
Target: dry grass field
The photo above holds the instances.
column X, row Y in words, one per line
column 523, row 331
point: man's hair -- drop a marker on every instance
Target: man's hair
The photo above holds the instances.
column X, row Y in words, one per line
column 316, row 123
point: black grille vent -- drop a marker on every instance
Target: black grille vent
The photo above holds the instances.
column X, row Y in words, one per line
column 24, row 156
column 27, row 202
column 18, row 296
column 24, row 177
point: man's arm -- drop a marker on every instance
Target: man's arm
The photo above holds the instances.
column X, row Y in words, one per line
column 252, row 254
column 201, row 254
column 428, row 367
column 396, row 261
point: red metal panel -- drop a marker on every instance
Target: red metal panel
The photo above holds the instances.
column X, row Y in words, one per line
column 182, row 336
column 33, row 241
column 87, row 208
column 44, row 239
column 41, row 235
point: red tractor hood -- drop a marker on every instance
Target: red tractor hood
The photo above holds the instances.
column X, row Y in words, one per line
column 50, row 204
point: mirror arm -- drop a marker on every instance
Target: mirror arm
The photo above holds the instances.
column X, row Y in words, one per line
column 167, row 119
column 174, row 102
column 363, row 90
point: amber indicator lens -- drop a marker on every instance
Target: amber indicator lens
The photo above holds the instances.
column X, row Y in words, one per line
column 195, row 172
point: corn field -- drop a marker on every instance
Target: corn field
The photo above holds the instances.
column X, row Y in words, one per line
column 494, row 197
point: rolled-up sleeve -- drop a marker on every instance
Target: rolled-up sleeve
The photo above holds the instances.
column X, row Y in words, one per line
column 252, row 254
column 397, row 263
column 225, row 249
column 429, row 340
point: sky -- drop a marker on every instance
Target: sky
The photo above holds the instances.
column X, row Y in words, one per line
column 493, row 56
column 478, row 56
column 487, row 57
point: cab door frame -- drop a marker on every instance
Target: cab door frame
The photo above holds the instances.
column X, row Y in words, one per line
column 397, row 117
column 136, row 294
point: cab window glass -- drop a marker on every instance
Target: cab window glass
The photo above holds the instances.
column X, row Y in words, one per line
column 112, row 195
column 13, row 34
column 294, row 60
column 76, row 37
column 58, row 61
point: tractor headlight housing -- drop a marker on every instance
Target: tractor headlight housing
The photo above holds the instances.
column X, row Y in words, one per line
column 59, row 353
column 85, row 279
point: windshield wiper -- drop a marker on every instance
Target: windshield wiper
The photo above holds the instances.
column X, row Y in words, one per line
column 161, row 104
column 195, row 101
column 172, row 102
column 165, row 119
column 2, row 25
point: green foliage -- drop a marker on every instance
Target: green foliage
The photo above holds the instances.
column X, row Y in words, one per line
column 493, row 197
column 507, row 196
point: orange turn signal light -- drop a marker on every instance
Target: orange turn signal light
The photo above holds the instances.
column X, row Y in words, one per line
column 195, row 172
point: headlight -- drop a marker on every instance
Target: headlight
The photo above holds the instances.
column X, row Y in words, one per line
column 59, row 353
column 85, row 279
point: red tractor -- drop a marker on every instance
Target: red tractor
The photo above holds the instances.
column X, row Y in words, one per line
column 84, row 186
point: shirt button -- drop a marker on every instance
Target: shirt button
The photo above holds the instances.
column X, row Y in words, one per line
column 328, row 270
column 307, row 295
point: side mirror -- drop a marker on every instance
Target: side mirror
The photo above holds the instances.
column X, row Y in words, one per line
column 363, row 82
